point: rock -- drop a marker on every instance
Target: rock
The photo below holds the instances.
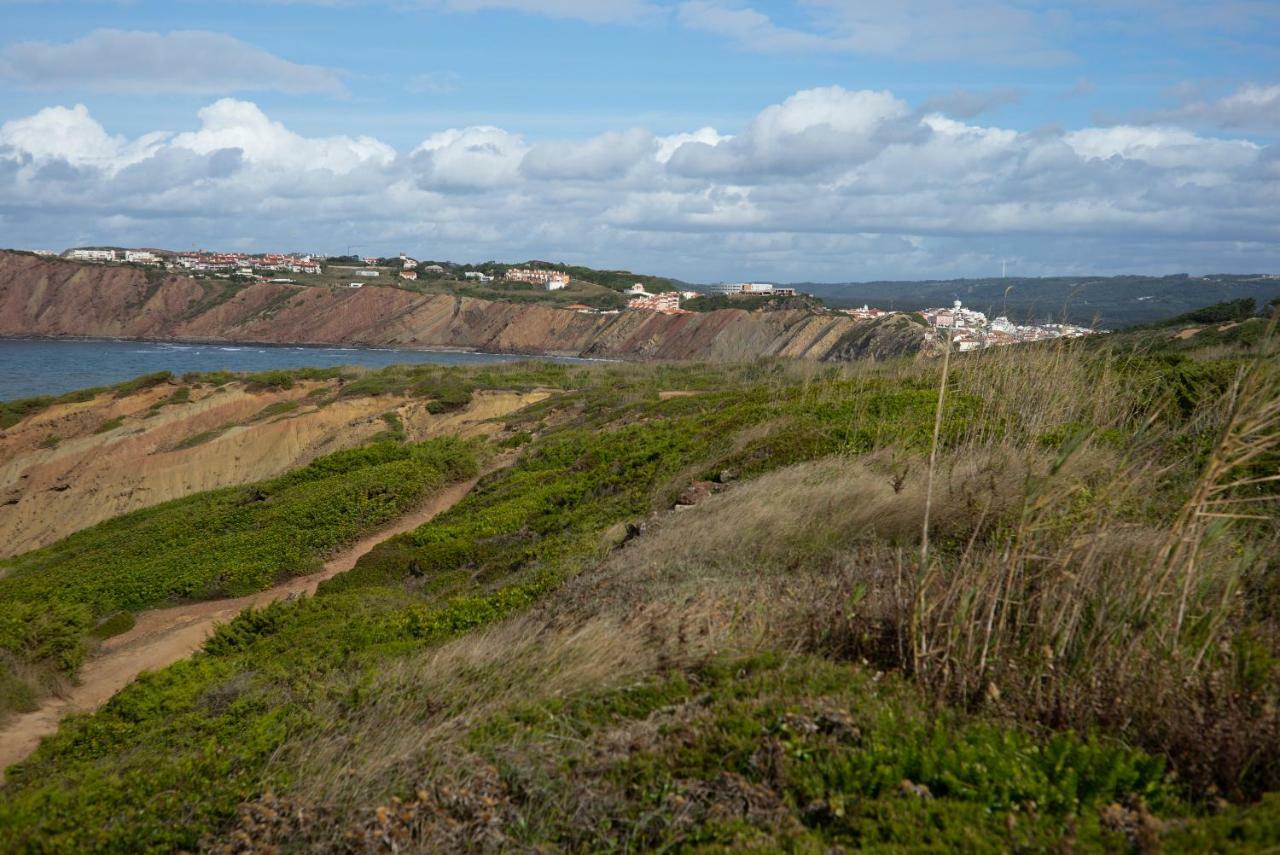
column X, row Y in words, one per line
column 695, row 493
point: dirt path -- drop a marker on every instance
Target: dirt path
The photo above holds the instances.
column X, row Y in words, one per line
column 163, row 636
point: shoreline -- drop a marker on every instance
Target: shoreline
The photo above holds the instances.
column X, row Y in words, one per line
column 406, row 348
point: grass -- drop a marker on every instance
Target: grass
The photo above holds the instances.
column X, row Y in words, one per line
column 247, row 538
column 561, row 661
column 109, row 425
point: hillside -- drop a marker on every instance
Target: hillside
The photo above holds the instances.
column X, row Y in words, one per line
column 79, row 462
column 49, row 297
column 1110, row 302
column 768, row 606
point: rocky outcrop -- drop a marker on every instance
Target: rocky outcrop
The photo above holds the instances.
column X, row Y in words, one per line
column 51, row 297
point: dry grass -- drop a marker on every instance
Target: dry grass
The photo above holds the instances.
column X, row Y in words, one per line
column 1076, row 583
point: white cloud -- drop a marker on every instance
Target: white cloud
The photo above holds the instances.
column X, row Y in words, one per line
column 988, row 31
column 231, row 124
column 1251, row 107
column 1161, row 146
column 470, row 158
column 811, row 131
column 667, row 145
column 830, row 183
column 71, row 135
column 609, row 155
column 192, row 62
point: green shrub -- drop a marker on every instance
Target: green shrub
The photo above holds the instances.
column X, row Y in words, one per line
column 146, row 381
column 109, row 425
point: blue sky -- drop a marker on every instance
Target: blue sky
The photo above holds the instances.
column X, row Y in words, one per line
column 709, row 139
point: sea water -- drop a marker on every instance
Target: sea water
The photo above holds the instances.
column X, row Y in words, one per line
column 30, row 367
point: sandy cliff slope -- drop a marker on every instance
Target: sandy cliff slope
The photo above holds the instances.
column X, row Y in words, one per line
column 74, row 465
column 51, row 297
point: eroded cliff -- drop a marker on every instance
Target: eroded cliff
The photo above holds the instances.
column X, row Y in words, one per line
column 51, row 297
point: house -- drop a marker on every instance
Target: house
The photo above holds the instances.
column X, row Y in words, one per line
column 477, row 276
column 141, row 256
column 729, row 289
column 409, row 274
column 407, row 263
column 556, row 284
column 368, row 274
column 98, row 255
column 433, row 268
column 538, row 277
column 668, row 303
column 866, row 313
column 637, row 290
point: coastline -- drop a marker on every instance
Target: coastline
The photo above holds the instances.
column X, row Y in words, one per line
column 559, row 355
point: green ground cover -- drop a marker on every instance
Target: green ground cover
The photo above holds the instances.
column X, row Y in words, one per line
column 221, row 543
column 538, row 667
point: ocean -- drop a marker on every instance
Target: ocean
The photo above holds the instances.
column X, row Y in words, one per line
column 31, row 367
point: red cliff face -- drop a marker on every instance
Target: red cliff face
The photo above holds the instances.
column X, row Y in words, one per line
column 51, row 297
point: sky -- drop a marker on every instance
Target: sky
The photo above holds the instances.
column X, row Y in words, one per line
column 786, row 140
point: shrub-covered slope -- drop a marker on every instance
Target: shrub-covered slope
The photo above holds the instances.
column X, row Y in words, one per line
column 697, row 612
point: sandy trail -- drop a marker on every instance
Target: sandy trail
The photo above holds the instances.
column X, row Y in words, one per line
column 163, row 636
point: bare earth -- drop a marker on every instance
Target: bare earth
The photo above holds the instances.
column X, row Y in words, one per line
column 46, row 493
column 163, row 636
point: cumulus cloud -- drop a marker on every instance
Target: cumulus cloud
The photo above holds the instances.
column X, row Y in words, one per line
column 472, row 158
column 609, row 155
column 72, row 136
column 828, row 184
column 191, row 62
column 1251, row 107
column 240, row 125
column 811, row 131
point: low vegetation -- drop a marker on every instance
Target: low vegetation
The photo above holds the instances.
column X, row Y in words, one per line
column 217, row 544
column 765, row 606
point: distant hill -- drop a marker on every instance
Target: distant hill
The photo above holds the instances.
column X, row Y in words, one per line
column 1109, row 301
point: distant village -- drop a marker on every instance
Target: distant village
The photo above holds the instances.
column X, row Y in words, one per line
column 965, row 328
column 971, row 330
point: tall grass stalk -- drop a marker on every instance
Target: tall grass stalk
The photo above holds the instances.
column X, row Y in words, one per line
column 921, row 645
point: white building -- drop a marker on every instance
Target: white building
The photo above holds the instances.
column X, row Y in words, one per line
column 728, row 288
column 666, row 303
column 92, row 255
column 538, row 277
column 141, row 256
column 477, row 276
column 368, row 274
column 556, row 284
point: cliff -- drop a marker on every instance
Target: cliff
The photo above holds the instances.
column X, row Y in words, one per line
column 51, row 297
